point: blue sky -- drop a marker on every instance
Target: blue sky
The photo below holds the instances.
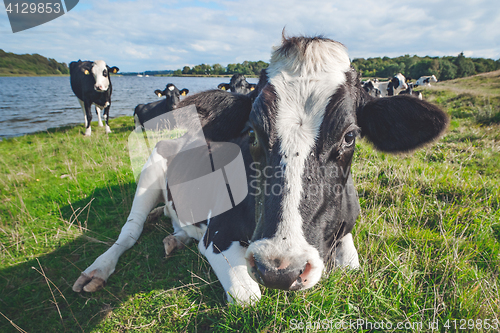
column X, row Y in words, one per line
column 150, row 35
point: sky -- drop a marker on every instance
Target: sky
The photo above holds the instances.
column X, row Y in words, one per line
column 168, row 34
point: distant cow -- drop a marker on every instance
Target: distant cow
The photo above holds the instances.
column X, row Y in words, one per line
column 91, row 83
column 145, row 112
column 411, row 92
column 297, row 140
column 238, row 84
column 393, row 86
column 369, row 87
column 375, row 88
column 426, row 80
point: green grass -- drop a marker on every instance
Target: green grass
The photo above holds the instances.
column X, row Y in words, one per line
column 428, row 239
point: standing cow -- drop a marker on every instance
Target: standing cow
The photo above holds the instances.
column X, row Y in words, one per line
column 297, row 140
column 91, row 83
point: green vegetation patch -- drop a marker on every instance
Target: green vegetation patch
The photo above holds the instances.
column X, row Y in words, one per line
column 428, row 238
column 29, row 65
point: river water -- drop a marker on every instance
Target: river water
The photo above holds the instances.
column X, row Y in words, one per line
column 32, row 104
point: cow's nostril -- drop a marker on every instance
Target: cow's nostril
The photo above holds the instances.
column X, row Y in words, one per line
column 302, row 278
column 277, row 262
column 278, row 273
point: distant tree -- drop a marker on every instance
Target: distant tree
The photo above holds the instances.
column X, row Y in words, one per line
column 198, row 69
column 230, row 69
column 465, row 66
column 186, row 70
column 391, row 70
column 447, row 70
column 424, row 67
column 217, row 69
column 259, row 66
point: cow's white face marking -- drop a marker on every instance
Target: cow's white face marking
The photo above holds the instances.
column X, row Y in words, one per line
column 402, row 82
column 304, row 83
column 101, row 75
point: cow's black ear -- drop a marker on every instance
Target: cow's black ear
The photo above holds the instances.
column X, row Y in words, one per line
column 158, row 92
column 223, row 116
column 224, row 86
column 401, row 123
column 113, row 69
column 184, row 92
column 86, row 70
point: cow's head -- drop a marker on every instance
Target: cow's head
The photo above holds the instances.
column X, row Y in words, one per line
column 172, row 95
column 100, row 71
column 238, row 84
column 307, row 111
column 398, row 82
column 301, row 132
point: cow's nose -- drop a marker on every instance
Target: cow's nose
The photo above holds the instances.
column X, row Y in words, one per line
column 98, row 87
column 278, row 273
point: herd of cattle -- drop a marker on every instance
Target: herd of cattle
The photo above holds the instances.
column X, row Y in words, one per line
column 398, row 85
column 96, row 89
column 91, row 84
column 298, row 122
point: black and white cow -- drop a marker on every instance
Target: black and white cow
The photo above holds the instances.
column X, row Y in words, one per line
column 145, row 112
column 238, row 84
column 393, row 86
column 426, row 80
column 297, row 140
column 370, row 87
column 411, row 92
column 91, row 83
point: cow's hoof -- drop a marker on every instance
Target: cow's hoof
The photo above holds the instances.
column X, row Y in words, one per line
column 88, row 283
column 171, row 244
column 155, row 215
column 100, row 124
column 108, row 130
column 88, row 132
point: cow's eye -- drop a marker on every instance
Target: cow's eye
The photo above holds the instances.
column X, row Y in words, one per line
column 252, row 139
column 349, row 139
column 104, row 73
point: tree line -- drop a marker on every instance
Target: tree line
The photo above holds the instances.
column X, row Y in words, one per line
column 30, row 64
column 445, row 68
column 245, row 68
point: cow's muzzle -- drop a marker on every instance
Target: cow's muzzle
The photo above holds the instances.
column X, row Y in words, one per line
column 99, row 88
column 279, row 273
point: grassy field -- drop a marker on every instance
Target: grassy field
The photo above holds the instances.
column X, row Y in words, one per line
column 428, row 238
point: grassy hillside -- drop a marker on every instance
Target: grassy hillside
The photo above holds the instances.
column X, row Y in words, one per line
column 428, row 239
column 30, row 65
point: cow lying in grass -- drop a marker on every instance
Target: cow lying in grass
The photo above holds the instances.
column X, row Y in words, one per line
column 145, row 112
column 297, row 140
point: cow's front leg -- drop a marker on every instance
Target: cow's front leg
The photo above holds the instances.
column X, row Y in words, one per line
column 345, row 253
column 87, row 114
column 88, row 119
column 231, row 268
column 99, row 120
column 106, row 117
column 150, row 191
